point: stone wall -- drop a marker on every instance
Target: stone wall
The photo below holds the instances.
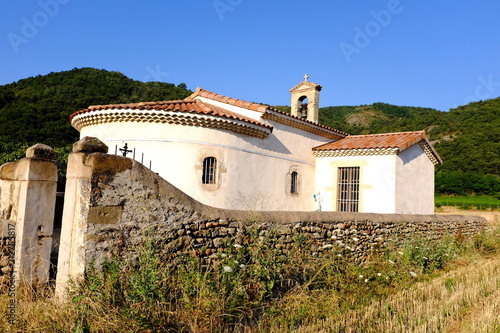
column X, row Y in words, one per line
column 27, row 199
column 129, row 205
column 117, row 202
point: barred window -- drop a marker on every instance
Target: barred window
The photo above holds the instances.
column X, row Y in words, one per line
column 294, row 188
column 348, row 189
column 209, row 170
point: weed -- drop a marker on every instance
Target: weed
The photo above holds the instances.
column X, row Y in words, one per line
column 449, row 284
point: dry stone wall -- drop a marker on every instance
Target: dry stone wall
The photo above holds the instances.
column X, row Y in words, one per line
column 135, row 203
column 128, row 203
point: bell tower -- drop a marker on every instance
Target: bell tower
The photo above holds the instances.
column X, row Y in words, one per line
column 305, row 100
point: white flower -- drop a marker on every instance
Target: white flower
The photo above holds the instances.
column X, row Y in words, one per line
column 223, row 255
column 339, row 255
column 243, row 266
column 379, row 274
column 227, row 269
column 366, row 280
column 413, row 274
column 360, row 276
column 237, row 246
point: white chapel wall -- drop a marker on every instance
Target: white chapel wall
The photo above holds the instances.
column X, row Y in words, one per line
column 415, row 182
column 377, row 181
column 253, row 173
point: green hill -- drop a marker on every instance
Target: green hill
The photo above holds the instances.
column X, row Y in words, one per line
column 467, row 138
column 36, row 109
column 379, row 118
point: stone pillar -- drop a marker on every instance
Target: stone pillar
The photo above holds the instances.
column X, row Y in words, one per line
column 27, row 202
column 77, row 201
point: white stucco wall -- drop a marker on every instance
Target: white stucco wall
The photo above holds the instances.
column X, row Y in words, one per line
column 414, row 182
column 377, row 181
column 253, row 173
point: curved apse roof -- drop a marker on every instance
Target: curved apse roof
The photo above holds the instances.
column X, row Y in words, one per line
column 186, row 112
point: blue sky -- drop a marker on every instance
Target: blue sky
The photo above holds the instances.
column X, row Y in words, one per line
column 437, row 54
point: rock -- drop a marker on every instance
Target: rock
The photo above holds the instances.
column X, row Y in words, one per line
column 218, row 242
column 90, row 145
column 41, row 151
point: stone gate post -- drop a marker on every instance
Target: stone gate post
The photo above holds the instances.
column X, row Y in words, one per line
column 27, row 202
column 77, row 201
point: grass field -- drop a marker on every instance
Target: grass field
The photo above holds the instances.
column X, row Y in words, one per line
column 450, row 285
column 468, row 202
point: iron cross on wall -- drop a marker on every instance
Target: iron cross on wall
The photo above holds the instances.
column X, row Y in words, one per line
column 125, row 150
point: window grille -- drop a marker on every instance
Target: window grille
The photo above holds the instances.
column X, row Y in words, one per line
column 348, row 189
column 294, row 183
column 209, row 170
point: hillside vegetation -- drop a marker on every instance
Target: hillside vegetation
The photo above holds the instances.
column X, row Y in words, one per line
column 467, row 138
column 37, row 109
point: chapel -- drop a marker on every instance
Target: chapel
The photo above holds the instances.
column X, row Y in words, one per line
column 234, row 154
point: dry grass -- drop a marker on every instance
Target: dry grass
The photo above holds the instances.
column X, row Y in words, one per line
column 492, row 216
column 45, row 314
column 304, row 296
column 463, row 300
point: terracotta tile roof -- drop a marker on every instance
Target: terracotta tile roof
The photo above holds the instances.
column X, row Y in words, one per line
column 401, row 141
column 341, row 134
column 187, row 106
column 228, row 100
column 397, row 141
column 379, row 144
column 257, row 107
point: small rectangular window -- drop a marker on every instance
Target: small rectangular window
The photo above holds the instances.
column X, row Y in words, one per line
column 348, row 189
column 209, row 170
column 294, row 183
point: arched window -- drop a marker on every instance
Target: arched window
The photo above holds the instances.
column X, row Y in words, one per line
column 294, row 186
column 209, row 170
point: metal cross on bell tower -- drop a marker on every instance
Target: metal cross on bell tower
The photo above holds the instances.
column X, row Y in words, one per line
column 125, row 150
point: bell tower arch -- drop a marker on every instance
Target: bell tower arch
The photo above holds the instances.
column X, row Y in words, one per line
column 305, row 100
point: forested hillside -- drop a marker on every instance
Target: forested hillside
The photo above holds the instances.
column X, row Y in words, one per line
column 37, row 109
column 467, row 138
